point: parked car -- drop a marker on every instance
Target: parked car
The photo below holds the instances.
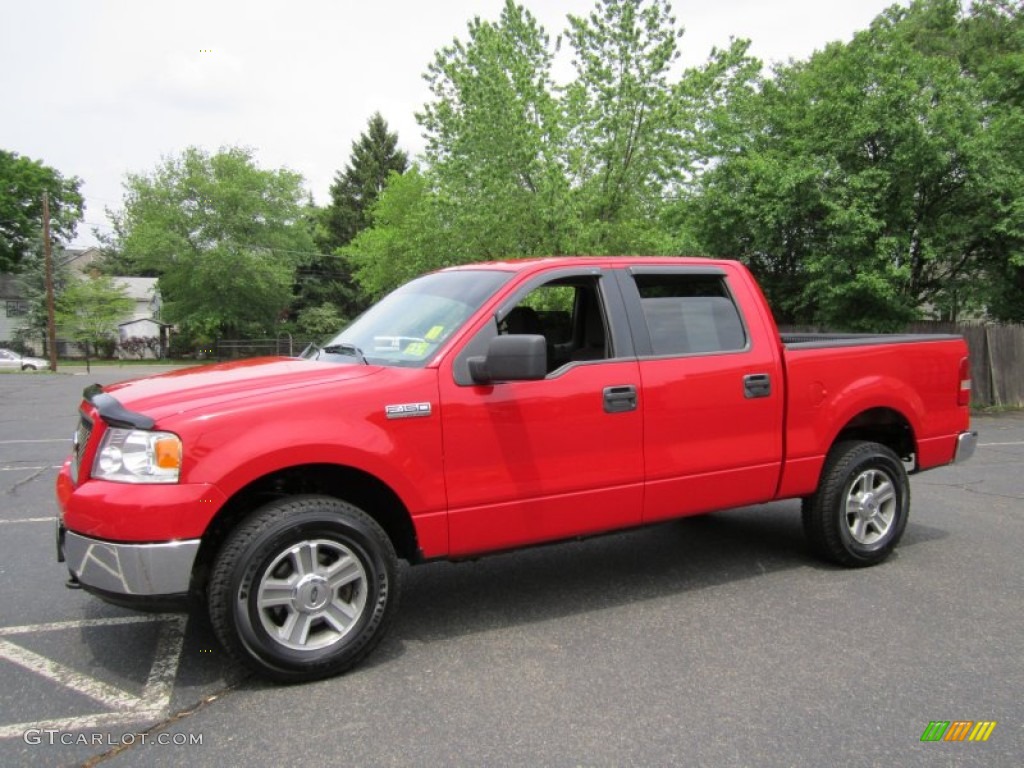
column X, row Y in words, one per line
column 483, row 408
column 10, row 360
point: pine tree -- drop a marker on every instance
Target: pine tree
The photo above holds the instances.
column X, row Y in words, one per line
column 354, row 191
column 327, row 281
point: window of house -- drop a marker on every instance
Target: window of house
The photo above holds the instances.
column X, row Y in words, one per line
column 16, row 308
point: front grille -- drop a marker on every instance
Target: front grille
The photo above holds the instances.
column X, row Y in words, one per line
column 80, row 442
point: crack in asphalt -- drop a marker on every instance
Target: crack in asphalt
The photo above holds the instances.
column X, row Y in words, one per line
column 13, row 490
column 966, row 488
column 164, row 724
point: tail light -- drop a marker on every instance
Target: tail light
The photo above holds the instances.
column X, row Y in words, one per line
column 964, row 395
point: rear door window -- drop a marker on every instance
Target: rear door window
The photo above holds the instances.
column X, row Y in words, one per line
column 690, row 314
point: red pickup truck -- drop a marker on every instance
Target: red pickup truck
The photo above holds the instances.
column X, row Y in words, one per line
column 484, row 408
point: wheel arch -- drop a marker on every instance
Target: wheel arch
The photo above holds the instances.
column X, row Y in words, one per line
column 350, row 484
column 883, row 425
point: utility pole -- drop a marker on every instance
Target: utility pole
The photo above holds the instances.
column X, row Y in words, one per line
column 51, row 325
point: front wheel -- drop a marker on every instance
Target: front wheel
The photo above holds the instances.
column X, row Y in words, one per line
column 304, row 589
column 859, row 512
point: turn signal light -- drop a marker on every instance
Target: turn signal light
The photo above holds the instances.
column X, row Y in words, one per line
column 167, row 452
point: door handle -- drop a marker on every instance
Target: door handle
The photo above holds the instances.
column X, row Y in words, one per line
column 757, row 385
column 620, row 399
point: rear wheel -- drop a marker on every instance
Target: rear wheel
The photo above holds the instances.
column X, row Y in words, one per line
column 28, row 367
column 859, row 512
column 304, row 589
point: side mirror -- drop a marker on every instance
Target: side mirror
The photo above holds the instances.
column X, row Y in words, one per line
column 511, row 358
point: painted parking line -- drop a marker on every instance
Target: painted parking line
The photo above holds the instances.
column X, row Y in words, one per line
column 46, row 440
column 108, row 695
column 152, row 704
column 29, row 520
column 29, row 469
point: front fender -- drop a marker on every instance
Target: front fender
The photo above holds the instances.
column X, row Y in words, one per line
column 403, row 454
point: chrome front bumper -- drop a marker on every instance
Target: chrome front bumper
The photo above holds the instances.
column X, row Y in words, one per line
column 142, row 570
column 966, row 442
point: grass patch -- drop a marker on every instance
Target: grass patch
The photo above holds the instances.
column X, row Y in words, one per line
column 995, row 410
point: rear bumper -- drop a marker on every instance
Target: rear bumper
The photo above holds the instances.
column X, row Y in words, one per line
column 131, row 570
column 966, row 442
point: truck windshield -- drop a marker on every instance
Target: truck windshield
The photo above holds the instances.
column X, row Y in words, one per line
column 407, row 326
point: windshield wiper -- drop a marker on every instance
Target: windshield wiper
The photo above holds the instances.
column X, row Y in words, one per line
column 345, row 349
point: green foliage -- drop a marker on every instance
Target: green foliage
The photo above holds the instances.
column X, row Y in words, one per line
column 410, row 236
column 88, row 311
column 227, row 291
column 320, row 321
column 992, row 51
column 495, row 140
column 327, row 279
column 224, row 237
column 874, row 181
column 31, row 283
column 518, row 165
column 878, row 181
column 22, row 183
column 375, row 155
column 623, row 116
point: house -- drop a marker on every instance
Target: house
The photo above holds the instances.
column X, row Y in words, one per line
column 142, row 290
column 141, row 323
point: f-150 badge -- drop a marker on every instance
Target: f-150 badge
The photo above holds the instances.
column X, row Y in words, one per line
column 407, row 410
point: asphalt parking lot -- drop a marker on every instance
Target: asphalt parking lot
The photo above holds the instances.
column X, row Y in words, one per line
column 714, row 641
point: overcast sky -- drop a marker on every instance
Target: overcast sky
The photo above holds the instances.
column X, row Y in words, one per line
column 98, row 88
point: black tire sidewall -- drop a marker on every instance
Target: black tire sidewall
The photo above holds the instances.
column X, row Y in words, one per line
column 274, row 533
column 857, row 459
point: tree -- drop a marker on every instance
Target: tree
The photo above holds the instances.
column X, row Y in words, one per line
column 992, row 51
column 31, row 281
column 320, row 321
column 327, row 279
column 375, row 155
column 409, row 236
column 224, row 237
column 495, row 141
column 22, row 183
column 89, row 310
column 620, row 110
column 517, row 165
column 866, row 186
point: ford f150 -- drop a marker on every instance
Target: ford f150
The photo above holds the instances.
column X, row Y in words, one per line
column 484, row 408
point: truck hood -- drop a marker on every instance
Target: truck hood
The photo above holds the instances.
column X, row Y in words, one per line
column 168, row 394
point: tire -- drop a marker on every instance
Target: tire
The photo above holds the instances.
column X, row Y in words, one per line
column 859, row 512
column 303, row 589
column 28, row 368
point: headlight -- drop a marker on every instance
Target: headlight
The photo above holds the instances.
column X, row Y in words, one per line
column 138, row 456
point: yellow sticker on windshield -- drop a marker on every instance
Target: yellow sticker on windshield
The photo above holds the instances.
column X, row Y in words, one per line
column 417, row 348
column 434, row 333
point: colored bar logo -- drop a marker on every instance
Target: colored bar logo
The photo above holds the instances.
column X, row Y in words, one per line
column 958, row 730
